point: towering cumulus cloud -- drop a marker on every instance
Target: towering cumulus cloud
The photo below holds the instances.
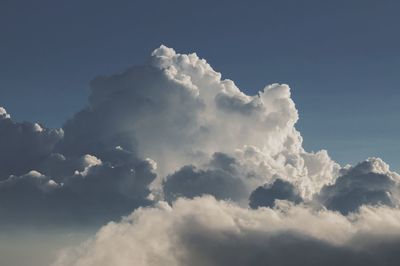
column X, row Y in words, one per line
column 177, row 111
column 213, row 176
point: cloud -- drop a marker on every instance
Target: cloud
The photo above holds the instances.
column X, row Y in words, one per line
column 265, row 196
column 368, row 183
column 204, row 231
column 23, row 145
column 221, row 179
column 95, row 195
column 40, row 186
column 176, row 110
column 201, row 134
column 218, row 177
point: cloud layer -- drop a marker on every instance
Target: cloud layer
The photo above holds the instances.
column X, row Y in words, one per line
column 219, row 177
column 204, row 231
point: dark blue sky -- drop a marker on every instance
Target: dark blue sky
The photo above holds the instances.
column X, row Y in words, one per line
column 341, row 58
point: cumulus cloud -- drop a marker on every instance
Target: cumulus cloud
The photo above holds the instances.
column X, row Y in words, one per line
column 93, row 196
column 265, row 196
column 204, row 231
column 23, row 145
column 178, row 111
column 40, row 186
column 368, row 183
column 172, row 132
column 221, row 178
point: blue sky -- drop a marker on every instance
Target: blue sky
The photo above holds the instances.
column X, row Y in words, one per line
column 341, row 59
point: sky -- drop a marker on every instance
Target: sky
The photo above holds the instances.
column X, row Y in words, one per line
column 199, row 133
column 340, row 58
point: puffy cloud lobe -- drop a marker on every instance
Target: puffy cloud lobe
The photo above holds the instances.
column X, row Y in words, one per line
column 308, row 172
column 205, row 232
column 23, row 145
column 221, row 179
column 96, row 194
column 368, row 183
column 3, row 113
column 41, row 185
column 141, row 108
column 265, row 196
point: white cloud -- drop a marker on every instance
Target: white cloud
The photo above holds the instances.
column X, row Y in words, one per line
column 3, row 114
column 178, row 111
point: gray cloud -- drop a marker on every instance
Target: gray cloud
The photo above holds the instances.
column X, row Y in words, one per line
column 97, row 194
column 281, row 249
column 368, row 183
column 266, row 195
column 41, row 185
column 23, row 145
column 221, row 179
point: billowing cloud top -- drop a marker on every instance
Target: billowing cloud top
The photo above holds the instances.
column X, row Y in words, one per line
column 178, row 111
column 174, row 137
